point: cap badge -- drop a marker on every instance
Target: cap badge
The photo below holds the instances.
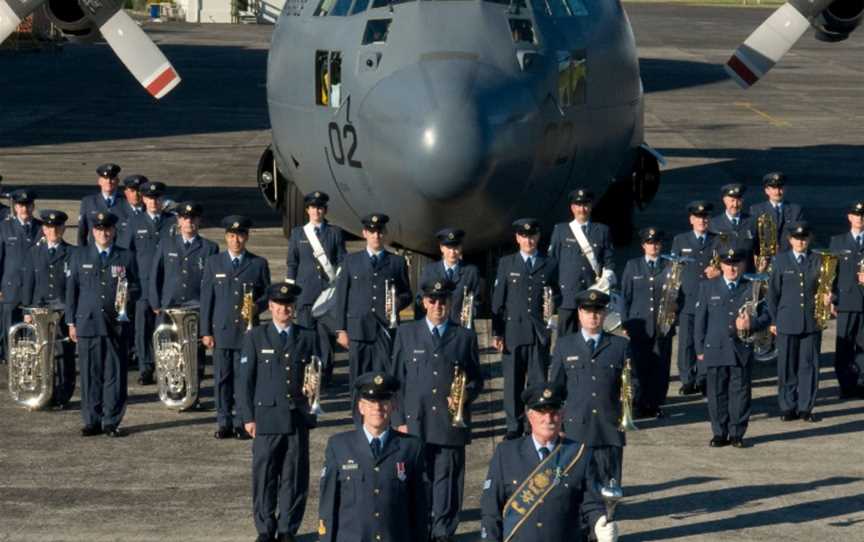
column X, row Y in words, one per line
column 450, row 235
column 527, row 226
column 284, row 290
column 188, row 208
column 378, row 380
column 547, row 393
column 52, row 216
column 438, row 286
column 580, row 194
column 235, row 225
column 652, row 232
column 374, row 218
column 731, row 252
column 859, row 206
column 592, row 296
column 100, row 216
column 317, row 194
column 700, row 208
column 153, row 187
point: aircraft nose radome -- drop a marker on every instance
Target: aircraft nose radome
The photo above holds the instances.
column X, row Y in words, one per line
column 430, row 128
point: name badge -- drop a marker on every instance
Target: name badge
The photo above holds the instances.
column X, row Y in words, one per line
column 268, row 351
column 572, row 358
column 350, row 466
column 637, row 277
column 87, row 266
column 715, row 297
column 790, row 271
column 221, row 275
column 173, row 254
column 515, row 274
column 686, row 250
column 304, row 241
column 419, row 351
column 12, row 238
column 142, row 231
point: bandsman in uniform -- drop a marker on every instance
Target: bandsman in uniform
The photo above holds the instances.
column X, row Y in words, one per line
column 848, row 303
column 147, row 231
column 45, row 286
column 452, row 269
column 96, row 325
column 519, row 331
column 18, row 234
column 107, row 200
column 362, row 322
column 373, row 485
column 739, row 227
column 783, row 212
column 4, row 209
column 130, row 206
column 178, row 266
column 315, row 252
column 543, row 486
column 275, row 412
column 426, row 355
column 589, row 365
column 642, row 290
column 791, row 302
column 222, row 325
column 699, row 244
column 584, row 253
column 720, row 322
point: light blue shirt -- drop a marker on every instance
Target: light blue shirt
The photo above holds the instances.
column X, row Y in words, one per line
column 596, row 337
column 370, row 253
column 549, row 445
column 106, row 250
column 279, row 330
column 238, row 257
column 526, row 257
column 649, row 260
column 728, row 282
column 382, row 437
column 448, row 268
column 441, row 327
column 732, row 219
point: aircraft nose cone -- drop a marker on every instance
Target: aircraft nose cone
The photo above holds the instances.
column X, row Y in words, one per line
column 429, row 126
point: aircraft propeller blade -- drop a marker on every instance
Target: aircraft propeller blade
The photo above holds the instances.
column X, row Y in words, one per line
column 772, row 40
column 139, row 54
column 12, row 12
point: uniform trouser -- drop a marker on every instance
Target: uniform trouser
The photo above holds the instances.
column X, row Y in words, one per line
column 64, row 369
column 365, row 356
column 690, row 372
column 849, row 354
column 10, row 314
column 568, row 321
column 526, row 364
column 607, row 462
column 652, row 360
column 226, row 379
column 729, row 393
column 145, row 324
column 445, row 470
column 280, row 480
column 325, row 345
column 797, row 371
column 104, row 364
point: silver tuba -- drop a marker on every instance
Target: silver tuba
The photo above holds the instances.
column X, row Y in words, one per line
column 31, row 358
column 175, row 350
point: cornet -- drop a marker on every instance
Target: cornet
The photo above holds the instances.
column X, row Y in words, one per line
column 312, row 385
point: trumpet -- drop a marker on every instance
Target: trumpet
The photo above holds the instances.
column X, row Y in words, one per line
column 247, row 310
column 390, row 307
column 312, row 385
column 457, row 398
column 548, row 307
column 466, row 316
column 626, row 423
column 121, row 297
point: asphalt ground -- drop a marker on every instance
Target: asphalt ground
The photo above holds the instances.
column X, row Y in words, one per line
column 63, row 113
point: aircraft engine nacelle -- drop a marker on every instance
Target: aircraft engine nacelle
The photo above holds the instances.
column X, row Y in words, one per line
column 839, row 20
column 70, row 19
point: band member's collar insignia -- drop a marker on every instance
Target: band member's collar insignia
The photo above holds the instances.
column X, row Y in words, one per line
column 378, row 380
column 547, row 393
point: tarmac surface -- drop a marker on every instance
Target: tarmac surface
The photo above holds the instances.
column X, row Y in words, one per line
column 64, row 113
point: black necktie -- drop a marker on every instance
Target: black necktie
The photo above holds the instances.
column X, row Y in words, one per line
column 860, row 240
column 585, row 229
column 778, row 211
column 450, row 274
column 187, row 244
column 235, row 262
column 731, row 286
column 284, row 335
column 735, row 221
column 156, row 221
column 591, row 345
column 51, row 252
column 103, row 256
column 800, row 259
column 544, row 452
column 109, row 202
column 374, row 259
column 376, row 447
column 651, row 265
column 529, row 264
column 317, row 231
column 436, row 334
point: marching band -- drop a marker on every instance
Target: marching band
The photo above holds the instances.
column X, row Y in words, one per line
column 143, row 281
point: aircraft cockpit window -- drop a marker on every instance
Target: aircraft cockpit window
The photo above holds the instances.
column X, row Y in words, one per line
column 359, row 6
column 522, row 31
column 328, row 78
column 566, row 8
column 333, row 8
column 376, row 31
column 517, row 3
column 385, row 3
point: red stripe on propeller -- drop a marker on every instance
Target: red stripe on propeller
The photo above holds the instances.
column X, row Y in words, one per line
column 745, row 73
column 163, row 80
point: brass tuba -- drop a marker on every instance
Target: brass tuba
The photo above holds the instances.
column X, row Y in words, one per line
column 466, row 315
column 626, row 423
column 457, row 398
column 827, row 273
column 31, row 358
column 175, row 350
column 766, row 228
column 667, row 310
column 312, row 375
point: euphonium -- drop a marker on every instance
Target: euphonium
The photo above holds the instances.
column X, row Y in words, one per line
column 626, row 423
column 31, row 358
column 766, row 228
column 247, row 310
column 827, row 272
column 312, row 374
column 751, row 306
column 457, row 398
column 175, row 351
column 390, row 306
column 466, row 316
column 121, row 297
column 548, row 307
column 667, row 310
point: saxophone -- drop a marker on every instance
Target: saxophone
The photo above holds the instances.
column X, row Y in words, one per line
column 121, row 297
column 667, row 310
column 312, row 374
column 457, row 398
column 175, row 351
column 466, row 316
column 390, row 307
column 626, row 423
column 247, row 310
column 31, row 358
column 766, row 228
column 827, row 272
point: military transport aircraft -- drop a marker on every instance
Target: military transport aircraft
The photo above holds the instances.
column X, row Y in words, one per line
column 451, row 112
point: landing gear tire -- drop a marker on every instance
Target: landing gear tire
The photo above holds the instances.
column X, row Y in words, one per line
column 279, row 192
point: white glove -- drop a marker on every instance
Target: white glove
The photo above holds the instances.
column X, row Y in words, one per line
column 605, row 532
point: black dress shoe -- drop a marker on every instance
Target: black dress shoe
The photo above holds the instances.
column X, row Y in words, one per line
column 809, row 417
column 689, row 389
column 264, row 538
column 146, row 380
column 113, row 432
column 737, row 442
column 285, row 537
column 91, row 431
column 789, row 416
column 718, row 442
column 223, row 433
column 512, row 435
column 241, row 434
